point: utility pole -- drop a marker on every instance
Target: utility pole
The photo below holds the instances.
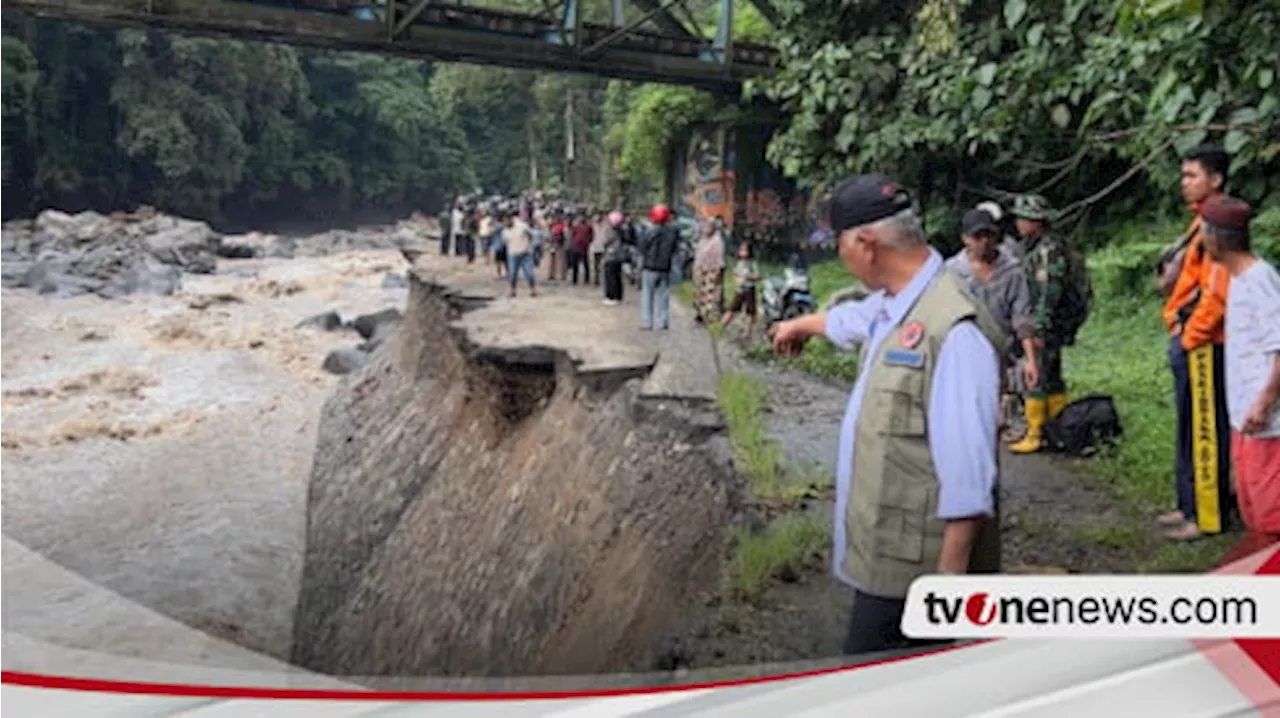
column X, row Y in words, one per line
column 569, row 147
column 533, row 154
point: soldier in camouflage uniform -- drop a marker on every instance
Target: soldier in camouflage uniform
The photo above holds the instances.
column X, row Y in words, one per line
column 1047, row 269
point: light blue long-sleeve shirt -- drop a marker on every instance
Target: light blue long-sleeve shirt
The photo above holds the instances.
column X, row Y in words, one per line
column 964, row 406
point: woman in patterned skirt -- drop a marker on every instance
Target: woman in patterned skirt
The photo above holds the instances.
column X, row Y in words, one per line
column 708, row 275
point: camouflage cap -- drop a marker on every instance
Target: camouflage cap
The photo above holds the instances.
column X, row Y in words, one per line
column 1031, row 206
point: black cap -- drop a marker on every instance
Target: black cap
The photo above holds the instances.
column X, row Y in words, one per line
column 976, row 221
column 863, row 199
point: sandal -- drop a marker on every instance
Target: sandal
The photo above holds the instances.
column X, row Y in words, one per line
column 1013, row 434
column 1171, row 519
column 1187, row 532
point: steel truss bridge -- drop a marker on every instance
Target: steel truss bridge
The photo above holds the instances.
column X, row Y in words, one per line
column 654, row 46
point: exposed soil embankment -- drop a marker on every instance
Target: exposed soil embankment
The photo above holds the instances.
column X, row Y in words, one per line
column 485, row 511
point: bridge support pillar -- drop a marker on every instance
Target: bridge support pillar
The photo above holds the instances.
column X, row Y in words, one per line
column 616, row 13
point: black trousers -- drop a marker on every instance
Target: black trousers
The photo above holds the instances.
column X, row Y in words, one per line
column 613, row 281
column 1202, row 464
column 596, row 260
column 445, row 242
column 578, row 261
column 876, row 625
column 465, row 246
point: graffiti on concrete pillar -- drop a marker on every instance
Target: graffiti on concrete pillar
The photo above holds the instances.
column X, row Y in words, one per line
column 709, row 183
column 713, row 179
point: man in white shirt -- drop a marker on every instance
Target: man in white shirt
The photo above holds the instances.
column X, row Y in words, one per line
column 457, row 217
column 1252, row 356
column 917, row 469
column 518, row 237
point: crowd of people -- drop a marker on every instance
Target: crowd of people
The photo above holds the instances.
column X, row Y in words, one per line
column 946, row 341
column 1036, row 288
column 941, row 337
column 577, row 244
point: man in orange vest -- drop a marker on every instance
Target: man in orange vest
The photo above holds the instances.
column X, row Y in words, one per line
column 1196, row 290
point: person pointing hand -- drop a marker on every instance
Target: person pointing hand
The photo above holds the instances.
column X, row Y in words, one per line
column 917, row 469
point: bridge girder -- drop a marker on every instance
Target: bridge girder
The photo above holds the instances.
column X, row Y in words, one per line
column 453, row 34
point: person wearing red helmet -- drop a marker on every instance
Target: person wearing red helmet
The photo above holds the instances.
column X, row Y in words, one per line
column 659, row 249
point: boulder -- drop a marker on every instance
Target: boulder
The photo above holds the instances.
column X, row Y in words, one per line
column 230, row 250
column 54, row 278
column 344, row 361
column 144, row 276
column 89, row 227
column 202, row 263
column 366, row 325
column 281, row 248
column 328, row 321
column 55, row 224
column 13, row 272
column 104, row 261
column 182, row 242
column 394, row 281
column 381, row 333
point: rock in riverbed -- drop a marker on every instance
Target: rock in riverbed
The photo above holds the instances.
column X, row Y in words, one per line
column 344, row 361
column 145, row 251
column 368, row 325
column 327, row 322
column 124, row 253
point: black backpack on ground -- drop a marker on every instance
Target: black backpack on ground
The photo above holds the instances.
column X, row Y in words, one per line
column 1083, row 425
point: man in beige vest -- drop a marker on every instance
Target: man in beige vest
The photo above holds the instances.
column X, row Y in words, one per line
column 917, row 472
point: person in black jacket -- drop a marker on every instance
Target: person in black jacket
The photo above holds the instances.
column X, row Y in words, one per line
column 659, row 250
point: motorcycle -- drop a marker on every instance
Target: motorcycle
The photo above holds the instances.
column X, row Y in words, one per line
column 788, row 296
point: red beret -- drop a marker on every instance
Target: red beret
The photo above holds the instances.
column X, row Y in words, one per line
column 1227, row 212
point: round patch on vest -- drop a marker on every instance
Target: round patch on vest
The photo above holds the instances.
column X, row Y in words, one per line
column 911, row 335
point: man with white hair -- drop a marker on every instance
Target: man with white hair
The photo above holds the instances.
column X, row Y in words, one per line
column 917, row 471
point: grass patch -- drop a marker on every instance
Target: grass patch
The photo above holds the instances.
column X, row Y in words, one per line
column 819, row 358
column 1111, row 536
column 1194, row 557
column 742, row 399
column 785, row 549
column 791, row 541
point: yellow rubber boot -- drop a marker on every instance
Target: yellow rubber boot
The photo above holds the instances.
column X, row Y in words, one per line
column 1057, row 402
column 1037, row 412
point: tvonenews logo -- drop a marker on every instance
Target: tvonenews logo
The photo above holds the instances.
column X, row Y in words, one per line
column 1093, row 607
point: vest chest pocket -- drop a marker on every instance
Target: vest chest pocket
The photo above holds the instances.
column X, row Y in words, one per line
column 900, row 532
column 906, row 414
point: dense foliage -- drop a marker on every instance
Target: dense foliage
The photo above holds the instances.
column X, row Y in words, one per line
column 1084, row 100
column 255, row 133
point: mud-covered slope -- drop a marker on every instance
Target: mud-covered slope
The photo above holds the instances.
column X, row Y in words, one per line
column 492, row 512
